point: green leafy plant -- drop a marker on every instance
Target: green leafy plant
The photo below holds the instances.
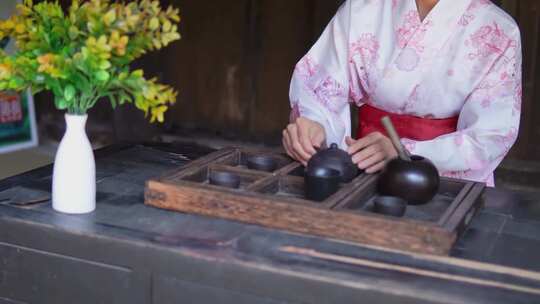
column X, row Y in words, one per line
column 84, row 53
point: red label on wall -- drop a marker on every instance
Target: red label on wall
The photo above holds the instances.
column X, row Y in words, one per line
column 10, row 108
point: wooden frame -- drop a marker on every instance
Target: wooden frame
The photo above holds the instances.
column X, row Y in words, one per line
column 275, row 200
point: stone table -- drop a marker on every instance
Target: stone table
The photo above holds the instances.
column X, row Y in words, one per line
column 126, row 252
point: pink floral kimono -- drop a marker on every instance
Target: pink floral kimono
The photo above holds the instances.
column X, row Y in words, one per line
column 463, row 60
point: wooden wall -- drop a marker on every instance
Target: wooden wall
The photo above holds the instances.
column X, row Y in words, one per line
column 233, row 66
column 527, row 14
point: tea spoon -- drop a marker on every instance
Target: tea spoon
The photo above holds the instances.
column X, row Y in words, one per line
column 394, row 137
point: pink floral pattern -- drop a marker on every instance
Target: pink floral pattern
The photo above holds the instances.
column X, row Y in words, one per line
column 410, row 38
column 412, row 32
column 466, row 19
column 306, row 67
column 408, row 60
column 487, row 92
column 502, row 82
column 479, row 3
column 508, row 139
column 489, row 40
column 355, row 94
column 455, row 174
column 327, row 93
column 366, row 47
column 469, row 15
column 364, row 53
column 475, row 161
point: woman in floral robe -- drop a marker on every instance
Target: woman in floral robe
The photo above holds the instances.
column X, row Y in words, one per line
column 448, row 72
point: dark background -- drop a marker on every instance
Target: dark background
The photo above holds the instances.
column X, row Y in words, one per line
column 233, row 66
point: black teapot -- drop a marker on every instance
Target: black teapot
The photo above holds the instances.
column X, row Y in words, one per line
column 334, row 158
column 416, row 180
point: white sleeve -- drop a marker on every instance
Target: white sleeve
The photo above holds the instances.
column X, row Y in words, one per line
column 488, row 123
column 320, row 84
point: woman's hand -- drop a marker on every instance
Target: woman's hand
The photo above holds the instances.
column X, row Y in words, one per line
column 372, row 152
column 302, row 137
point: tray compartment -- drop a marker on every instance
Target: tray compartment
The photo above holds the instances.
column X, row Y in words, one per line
column 440, row 206
column 292, row 189
column 239, row 159
column 298, row 171
column 202, row 176
column 285, row 187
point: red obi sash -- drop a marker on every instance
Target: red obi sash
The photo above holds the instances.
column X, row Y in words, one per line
column 407, row 126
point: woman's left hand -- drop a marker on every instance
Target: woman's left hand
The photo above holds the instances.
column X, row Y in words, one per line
column 372, row 152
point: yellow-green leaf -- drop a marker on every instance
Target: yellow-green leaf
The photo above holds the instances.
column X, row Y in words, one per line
column 167, row 26
column 73, row 32
column 109, row 17
column 104, row 64
column 102, row 76
column 154, row 23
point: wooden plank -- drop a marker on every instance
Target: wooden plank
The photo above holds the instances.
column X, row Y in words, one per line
column 356, row 185
column 193, row 165
column 262, row 183
column 288, row 169
column 480, row 282
column 301, row 219
column 444, row 218
column 358, row 189
column 463, row 214
column 239, row 170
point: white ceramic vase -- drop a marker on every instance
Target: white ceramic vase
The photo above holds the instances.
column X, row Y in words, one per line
column 74, row 175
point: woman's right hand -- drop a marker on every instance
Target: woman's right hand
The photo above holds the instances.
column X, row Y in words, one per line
column 301, row 138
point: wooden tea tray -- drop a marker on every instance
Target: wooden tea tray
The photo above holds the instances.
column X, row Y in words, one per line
column 276, row 200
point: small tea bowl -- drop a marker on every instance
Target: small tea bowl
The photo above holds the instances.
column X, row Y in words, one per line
column 224, row 179
column 262, row 163
column 390, row 205
column 321, row 183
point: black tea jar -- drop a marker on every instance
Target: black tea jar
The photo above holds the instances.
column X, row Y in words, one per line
column 416, row 181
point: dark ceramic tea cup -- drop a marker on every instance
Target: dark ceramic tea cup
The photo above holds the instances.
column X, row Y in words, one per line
column 390, row 205
column 262, row 163
column 321, row 183
column 224, row 179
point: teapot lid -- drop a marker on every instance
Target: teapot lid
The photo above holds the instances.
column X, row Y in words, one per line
column 334, row 158
column 333, row 151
